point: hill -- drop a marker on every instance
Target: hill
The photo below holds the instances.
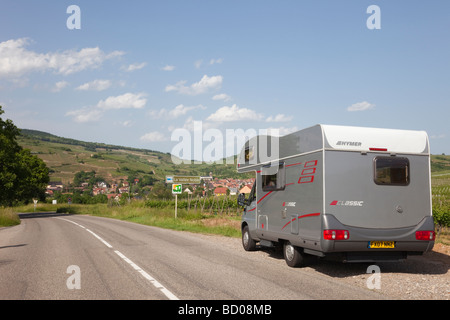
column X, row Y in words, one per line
column 65, row 157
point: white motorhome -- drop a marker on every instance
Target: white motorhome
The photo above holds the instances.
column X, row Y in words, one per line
column 359, row 194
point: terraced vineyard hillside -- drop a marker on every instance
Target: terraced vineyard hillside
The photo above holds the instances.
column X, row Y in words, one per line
column 65, row 157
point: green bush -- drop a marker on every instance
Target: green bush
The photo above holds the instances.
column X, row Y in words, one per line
column 441, row 215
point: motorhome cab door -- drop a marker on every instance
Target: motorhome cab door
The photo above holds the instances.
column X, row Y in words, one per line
column 250, row 210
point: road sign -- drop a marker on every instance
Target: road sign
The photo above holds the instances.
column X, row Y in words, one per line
column 169, row 179
column 186, row 179
column 177, row 188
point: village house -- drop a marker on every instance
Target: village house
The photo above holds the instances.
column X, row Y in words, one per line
column 246, row 189
column 123, row 190
column 220, row 191
column 97, row 191
column 114, row 196
column 102, row 185
column 55, row 186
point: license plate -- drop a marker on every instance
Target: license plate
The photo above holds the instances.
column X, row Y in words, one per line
column 381, row 244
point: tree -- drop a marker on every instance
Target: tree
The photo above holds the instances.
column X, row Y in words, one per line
column 23, row 176
column 160, row 191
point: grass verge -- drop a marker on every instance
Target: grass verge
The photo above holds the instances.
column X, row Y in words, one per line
column 192, row 220
column 8, row 217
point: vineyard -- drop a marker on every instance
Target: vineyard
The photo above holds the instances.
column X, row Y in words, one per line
column 441, row 196
column 441, row 212
column 223, row 205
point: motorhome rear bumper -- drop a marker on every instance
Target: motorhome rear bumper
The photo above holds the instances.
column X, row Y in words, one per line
column 405, row 242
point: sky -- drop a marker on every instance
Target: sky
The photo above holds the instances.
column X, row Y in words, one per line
column 136, row 73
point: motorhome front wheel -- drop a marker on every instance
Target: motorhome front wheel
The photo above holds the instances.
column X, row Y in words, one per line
column 247, row 242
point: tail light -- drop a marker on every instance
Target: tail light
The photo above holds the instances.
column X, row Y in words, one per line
column 425, row 235
column 336, row 234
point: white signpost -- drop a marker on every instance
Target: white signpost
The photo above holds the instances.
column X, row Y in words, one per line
column 176, row 190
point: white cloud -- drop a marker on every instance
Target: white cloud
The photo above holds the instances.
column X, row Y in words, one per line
column 204, row 85
column 281, row 131
column 214, row 61
column 234, row 113
column 125, row 101
column 16, row 60
column 361, row 106
column 198, row 63
column 154, row 136
column 96, row 85
column 279, row 118
column 168, row 68
column 127, row 123
column 135, row 66
column 192, row 125
column 157, row 113
column 59, row 86
column 179, row 110
column 222, row 96
column 85, row 115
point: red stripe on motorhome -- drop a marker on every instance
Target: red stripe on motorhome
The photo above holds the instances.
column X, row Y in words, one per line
column 301, row 217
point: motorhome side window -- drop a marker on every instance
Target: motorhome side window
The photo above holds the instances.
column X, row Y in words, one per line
column 273, row 178
column 391, row 171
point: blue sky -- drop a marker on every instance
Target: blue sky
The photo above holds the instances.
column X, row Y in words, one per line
column 138, row 70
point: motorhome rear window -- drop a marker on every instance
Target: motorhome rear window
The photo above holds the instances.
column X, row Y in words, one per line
column 391, row 171
column 273, row 178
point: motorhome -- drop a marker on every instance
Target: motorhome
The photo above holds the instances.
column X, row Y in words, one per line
column 353, row 193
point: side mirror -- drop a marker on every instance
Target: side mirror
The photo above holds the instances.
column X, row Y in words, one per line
column 241, row 199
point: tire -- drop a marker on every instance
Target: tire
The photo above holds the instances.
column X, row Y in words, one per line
column 247, row 242
column 293, row 255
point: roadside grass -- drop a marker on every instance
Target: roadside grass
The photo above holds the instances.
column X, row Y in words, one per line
column 8, row 217
column 136, row 211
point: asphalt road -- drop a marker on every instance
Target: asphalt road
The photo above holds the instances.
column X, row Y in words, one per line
column 51, row 256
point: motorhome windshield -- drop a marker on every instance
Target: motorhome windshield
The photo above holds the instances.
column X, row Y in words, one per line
column 391, row 171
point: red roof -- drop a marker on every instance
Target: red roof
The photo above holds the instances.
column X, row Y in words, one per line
column 220, row 190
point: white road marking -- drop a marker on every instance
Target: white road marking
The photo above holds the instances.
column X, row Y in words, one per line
column 104, row 242
column 93, row 233
column 152, row 280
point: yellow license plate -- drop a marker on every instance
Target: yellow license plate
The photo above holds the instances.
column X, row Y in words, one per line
column 381, row 244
